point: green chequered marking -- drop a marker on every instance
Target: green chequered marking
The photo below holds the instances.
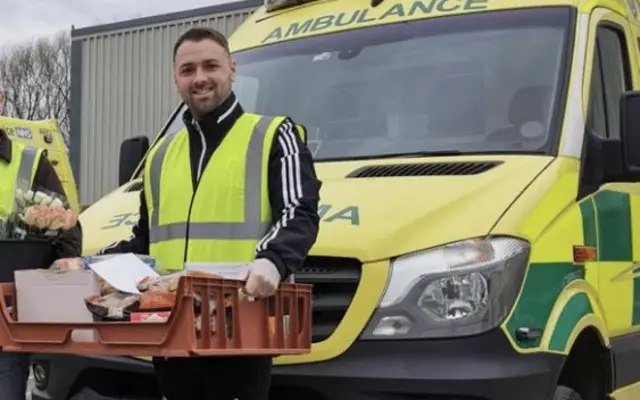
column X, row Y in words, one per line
column 615, row 236
column 635, row 316
column 613, row 210
column 589, row 230
column 606, row 222
column 542, row 286
column 577, row 307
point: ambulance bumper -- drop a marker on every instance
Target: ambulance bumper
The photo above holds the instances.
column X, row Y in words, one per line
column 483, row 367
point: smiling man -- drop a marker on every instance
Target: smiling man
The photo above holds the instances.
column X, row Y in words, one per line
column 230, row 187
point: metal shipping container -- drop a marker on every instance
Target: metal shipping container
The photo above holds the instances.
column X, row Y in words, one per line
column 122, row 86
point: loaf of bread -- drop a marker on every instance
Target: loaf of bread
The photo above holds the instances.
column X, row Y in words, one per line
column 169, row 283
column 156, row 300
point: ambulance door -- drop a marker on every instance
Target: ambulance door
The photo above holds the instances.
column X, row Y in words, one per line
column 615, row 206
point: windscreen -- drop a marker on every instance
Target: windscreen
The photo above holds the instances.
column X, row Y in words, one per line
column 474, row 83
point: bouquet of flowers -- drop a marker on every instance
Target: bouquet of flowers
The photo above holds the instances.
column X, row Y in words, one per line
column 37, row 214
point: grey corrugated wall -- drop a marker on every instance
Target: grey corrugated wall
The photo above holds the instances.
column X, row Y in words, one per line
column 122, row 86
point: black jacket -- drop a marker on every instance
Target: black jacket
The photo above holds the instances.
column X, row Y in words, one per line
column 295, row 220
column 70, row 244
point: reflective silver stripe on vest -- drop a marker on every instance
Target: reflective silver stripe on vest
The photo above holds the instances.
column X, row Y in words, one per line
column 251, row 228
column 26, row 168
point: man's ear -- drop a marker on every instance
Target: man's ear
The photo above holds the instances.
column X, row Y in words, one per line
column 232, row 64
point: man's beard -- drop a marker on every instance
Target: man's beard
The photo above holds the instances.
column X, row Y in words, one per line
column 200, row 109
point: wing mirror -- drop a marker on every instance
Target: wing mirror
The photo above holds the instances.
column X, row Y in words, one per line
column 132, row 152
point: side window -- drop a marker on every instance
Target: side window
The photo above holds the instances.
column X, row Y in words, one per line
column 610, row 78
column 597, row 107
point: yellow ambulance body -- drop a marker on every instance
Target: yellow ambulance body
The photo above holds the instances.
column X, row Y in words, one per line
column 479, row 201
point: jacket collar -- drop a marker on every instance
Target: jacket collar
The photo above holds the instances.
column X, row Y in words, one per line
column 5, row 146
column 222, row 117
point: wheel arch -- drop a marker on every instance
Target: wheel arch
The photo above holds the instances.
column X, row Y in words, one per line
column 588, row 365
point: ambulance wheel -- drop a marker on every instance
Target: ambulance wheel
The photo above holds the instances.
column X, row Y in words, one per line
column 565, row 393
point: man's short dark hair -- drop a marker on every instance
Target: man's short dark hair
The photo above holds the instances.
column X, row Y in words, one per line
column 199, row 34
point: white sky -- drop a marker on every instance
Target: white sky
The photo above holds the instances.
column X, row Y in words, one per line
column 25, row 19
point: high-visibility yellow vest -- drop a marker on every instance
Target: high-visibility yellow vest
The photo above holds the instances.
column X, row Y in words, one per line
column 17, row 174
column 223, row 221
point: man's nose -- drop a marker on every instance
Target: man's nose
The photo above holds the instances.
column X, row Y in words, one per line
column 200, row 76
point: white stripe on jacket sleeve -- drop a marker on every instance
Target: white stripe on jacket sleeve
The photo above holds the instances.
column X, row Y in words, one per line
column 291, row 182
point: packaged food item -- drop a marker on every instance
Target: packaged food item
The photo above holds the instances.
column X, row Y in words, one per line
column 157, row 294
column 157, row 300
column 116, row 306
column 157, row 316
column 67, row 264
column 169, row 282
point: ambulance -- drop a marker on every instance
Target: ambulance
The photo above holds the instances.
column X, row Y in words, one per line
column 481, row 189
column 45, row 134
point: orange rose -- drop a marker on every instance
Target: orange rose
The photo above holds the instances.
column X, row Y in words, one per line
column 58, row 217
column 71, row 219
column 41, row 217
column 30, row 215
column 44, row 219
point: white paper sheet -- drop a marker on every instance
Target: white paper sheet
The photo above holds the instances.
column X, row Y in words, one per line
column 123, row 272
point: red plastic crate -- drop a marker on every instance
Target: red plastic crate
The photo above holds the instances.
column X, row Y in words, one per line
column 251, row 327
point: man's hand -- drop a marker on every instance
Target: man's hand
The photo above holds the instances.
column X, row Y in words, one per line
column 263, row 279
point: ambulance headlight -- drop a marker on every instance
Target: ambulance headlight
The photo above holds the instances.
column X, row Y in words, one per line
column 462, row 288
column 273, row 5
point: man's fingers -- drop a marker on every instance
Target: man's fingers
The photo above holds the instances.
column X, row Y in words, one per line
column 261, row 285
column 258, row 286
column 251, row 285
column 254, row 285
column 244, row 295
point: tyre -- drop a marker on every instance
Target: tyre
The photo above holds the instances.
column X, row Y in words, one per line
column 565, row 393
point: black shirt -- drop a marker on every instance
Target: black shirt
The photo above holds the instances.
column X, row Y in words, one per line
column 295, row 219
column 46, row 178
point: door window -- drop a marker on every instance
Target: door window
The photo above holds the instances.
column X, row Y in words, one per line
column 610, row 79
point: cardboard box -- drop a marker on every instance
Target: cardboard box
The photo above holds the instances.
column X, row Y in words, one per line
column 45, row 296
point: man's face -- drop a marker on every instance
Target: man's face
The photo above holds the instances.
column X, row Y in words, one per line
column 204, row 74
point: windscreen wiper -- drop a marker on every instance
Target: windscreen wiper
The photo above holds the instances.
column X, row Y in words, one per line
column 437, row 153
column 393, row 155
column 440, row 153
column 424, row 154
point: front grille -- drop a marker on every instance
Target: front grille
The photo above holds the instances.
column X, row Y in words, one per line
column 335, row 281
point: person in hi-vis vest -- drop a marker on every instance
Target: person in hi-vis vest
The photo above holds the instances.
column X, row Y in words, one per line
column 27, row 168
column 230, row 187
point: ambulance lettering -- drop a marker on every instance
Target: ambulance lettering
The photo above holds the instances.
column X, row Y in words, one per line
column 365, row 15
column 350, row 214
column 122, row 219
column 327, row 213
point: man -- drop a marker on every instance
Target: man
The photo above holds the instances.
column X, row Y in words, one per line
column 24, row 165
column 212, row 195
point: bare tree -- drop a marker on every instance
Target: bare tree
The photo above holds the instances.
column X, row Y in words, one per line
column 35, row 80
